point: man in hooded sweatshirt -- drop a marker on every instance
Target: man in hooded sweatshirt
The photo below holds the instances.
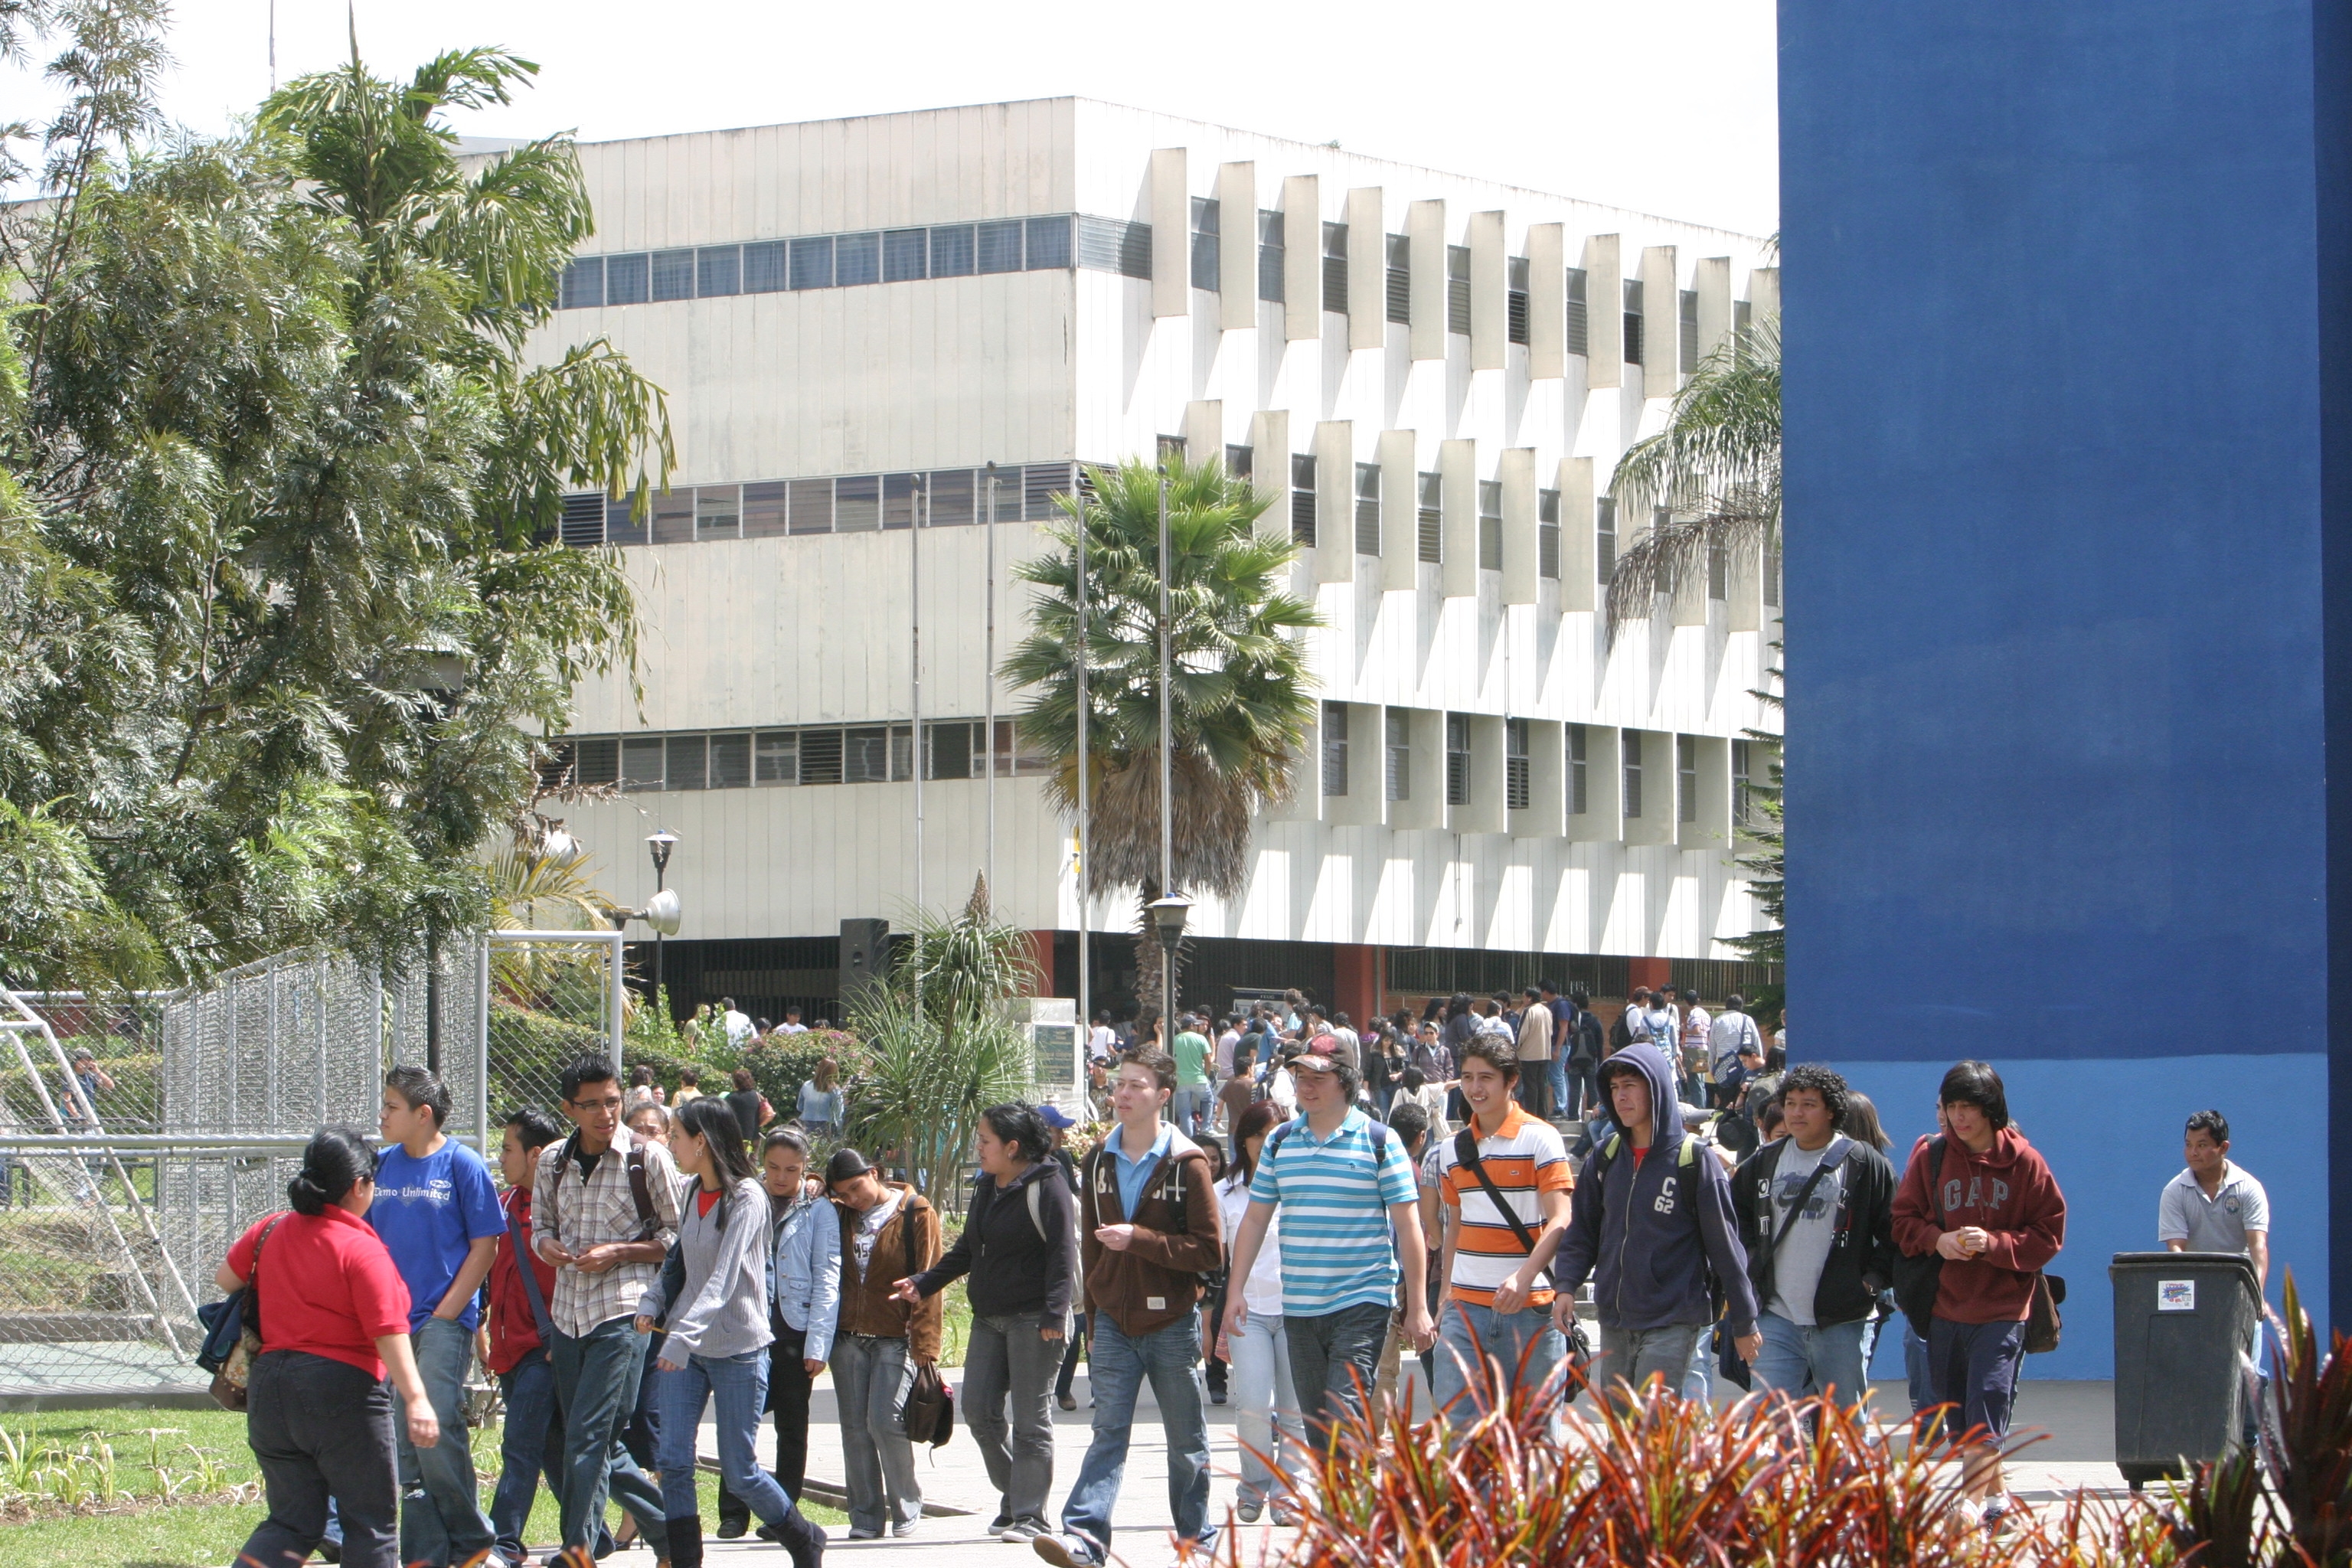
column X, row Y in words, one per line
column 1649, row 1220
column 1983, row 1199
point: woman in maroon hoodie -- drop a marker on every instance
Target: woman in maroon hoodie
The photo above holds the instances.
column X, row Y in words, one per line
column 1992, row 1211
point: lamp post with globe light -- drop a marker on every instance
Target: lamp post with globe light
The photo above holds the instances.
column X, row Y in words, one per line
column 1168, row 919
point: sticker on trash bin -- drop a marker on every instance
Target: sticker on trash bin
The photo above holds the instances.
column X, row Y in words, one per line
column 2176, row 1294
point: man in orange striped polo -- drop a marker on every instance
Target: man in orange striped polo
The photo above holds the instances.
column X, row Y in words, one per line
column 1504, row 1179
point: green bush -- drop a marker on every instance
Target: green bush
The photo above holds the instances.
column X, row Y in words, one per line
column 781, row 1063
column 135, row 1103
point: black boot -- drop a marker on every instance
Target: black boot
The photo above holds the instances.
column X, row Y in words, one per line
column 804, row 1540
column 734, row 1514
column 685, row 1541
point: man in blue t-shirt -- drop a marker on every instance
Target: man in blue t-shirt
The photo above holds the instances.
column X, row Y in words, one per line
column 437, row 1212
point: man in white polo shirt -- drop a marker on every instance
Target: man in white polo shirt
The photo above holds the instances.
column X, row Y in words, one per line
column 2214, row 1206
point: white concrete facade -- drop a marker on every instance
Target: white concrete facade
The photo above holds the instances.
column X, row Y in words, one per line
column 1509, row 428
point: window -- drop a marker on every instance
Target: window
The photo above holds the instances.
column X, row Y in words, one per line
column 1579, row 798
column 1107, row 245
column 1547, row 534
column 1633, row 320
column 905, row 255
column 1686, row 329
column 1237, row 462
column 1718, row 569
column 1632, row 744
column 866, row 755
column 899, row 498
column 1396, row 726
column 902, row 752
column 584, row 284
column 641, row 763
column 1367, row 509
column 856, row 259
column 718, row 270
column 684, row 757
column 1040, row 483
column 1518, row 299
column 857, row 504
column 597, row 762
column 730, row 761
column 812, row 263
column 948, row 751
column 1685, row 778
column 1302, row 498
column 1772, row 575
column 622, row 525
column 1335, row 268
column 1335, row 748
column 776, row 757
column 1205, row 222
column 1000, row 494
column 1049, row 243
column 1605, row 538
column 1578, row 340
column 952, row 250
column 1490, row 525
column 812, row 506
column 1400, row 280
column 673, row 274
column 1457, row 759
column 1429, row 520
column 1014, row 755
column 1457, row 288
column 820, row 756
column 583, row 521
column 1269, row 254
column 627, row 280
column 1000, row 246
column 1742, row 318
column 1171, row 449
column 674, row 518
column 764, row 510
column 718, row 513
column 1741, row 807
column 1517, row 789
column 949, row 499
column 764, row 266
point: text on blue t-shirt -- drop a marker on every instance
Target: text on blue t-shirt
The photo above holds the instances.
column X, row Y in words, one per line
column 429, row 1213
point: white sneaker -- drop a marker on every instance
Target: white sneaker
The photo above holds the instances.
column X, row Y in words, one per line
column 1063, row 1550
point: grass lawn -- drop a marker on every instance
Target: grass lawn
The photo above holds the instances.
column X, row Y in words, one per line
column 155, row 1451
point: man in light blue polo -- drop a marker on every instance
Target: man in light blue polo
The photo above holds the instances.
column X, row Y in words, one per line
column 1345, row 1188
column 2215, row 1206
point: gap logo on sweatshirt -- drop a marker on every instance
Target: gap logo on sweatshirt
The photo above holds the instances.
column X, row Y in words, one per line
column 1976, row 1198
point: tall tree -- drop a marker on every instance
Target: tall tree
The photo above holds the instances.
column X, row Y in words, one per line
column 277, row 547
column 1242, row 696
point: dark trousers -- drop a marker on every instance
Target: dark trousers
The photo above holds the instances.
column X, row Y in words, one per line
column 321, row 1429
column 532, row 1446
column 1335, row 1358
column 1064, row 1384
column 788, row 1397
column 1535, row 1089
column 597, row 1379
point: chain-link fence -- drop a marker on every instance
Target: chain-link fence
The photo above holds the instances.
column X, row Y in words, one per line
column 137, row 1141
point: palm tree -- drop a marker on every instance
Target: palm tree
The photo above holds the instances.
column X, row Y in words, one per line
column 1239, row 698
column 1714, row 471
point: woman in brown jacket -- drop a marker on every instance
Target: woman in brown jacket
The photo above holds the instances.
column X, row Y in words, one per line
column 888, row 1231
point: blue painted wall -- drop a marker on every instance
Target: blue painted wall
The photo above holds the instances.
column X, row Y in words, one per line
column 2062, row 377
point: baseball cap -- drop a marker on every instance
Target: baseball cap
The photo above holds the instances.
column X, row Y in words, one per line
column 1055, row 1116
column 1322, row 1056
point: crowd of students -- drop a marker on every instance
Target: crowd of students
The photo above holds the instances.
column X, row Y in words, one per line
column 639, row 1270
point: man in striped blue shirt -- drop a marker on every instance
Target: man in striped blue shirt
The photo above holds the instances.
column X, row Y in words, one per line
column 1344, row 1186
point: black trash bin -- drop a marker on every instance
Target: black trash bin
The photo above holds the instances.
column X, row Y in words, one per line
column 2184, row 1327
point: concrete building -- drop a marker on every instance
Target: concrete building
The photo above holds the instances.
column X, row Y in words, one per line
column 1430, row 374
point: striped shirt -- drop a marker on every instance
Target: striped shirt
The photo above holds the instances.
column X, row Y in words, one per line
column 1525, row 1159
column 1334, row 1195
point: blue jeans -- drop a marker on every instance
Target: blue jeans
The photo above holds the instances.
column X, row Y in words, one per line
column 1266, row 1412
column 440, row 1508
column 1800, row 1361
column 1915, row 1369
column 1479, row 1354
column 739, row 1386
column 871, row 1375
column 1187, row 1108
column 596, row 1378
column 1335, row 1361
column 1558, row 1075
column 532, row 1445
column 1118, row 1366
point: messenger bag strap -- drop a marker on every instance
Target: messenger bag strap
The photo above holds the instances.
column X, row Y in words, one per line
column 529, row 1281
column 1465, row 1152
column 1831, row 1159
column 641, row 1194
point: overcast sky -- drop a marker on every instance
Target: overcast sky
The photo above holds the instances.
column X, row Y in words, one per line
column 1665, row 105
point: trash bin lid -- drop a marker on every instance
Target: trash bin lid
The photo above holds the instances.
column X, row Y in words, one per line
column 2185, row 1264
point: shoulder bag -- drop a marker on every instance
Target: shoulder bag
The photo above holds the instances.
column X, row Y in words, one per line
column 1465, row 1153
column 234, row 1325
column 928, row 1413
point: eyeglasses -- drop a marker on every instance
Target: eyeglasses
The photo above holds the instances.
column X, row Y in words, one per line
column 608, row 1105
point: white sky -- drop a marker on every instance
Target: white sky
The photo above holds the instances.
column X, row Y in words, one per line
column 1665, row 105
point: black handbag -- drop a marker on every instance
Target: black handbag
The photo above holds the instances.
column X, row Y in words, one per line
column 1465, row 1152
column 1916, row 1279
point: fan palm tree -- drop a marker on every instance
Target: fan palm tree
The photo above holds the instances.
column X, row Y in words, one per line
column 1241, row 696
column 1714, row 472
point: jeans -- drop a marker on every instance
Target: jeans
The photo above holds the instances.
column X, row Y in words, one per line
column 1170, row 1358
column 1012, row 1362
column 1634, row 1355
column 531, row 1445
column 641, row 1432
column 870, row 1379
column 788, row 1397
column 1557, row 1072
column 1483, row 1354
column 1915, row 1369
column 738, row 1386
column 441, row 1516
column 321, row 1429
column 1582, row 1093
column 1265, row 1403
column 1335, row 1358
column 1535, row 1089
column 1190, row 1109
column 596, row 1378
column 1797, row 1361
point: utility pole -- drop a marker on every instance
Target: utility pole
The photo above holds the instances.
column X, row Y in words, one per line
column 1167, row 739
column 1086, row 847
column 988, row 685
column 915, row 661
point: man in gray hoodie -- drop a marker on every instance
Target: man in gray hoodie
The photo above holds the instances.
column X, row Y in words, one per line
column 1651, row 1220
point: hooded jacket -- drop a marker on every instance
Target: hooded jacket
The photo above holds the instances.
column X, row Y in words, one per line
column 866, row 1307
column 1179, row 1236
column 1862, row 1237
column 2009, row 1192
column 1647, row 1231
column 1018, row 1261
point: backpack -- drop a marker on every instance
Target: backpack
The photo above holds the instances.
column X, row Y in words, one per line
column 1169, row 1188
column 1918, row 1281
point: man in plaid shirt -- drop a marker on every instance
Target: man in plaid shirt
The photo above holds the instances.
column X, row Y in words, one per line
column 607, row 1209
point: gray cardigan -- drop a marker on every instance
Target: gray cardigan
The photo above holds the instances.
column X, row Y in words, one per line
column 723, row 1304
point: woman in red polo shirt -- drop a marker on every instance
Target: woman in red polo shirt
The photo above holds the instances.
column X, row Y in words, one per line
column 333, row 1313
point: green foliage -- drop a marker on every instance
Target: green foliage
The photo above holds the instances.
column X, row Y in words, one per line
column 278, row 595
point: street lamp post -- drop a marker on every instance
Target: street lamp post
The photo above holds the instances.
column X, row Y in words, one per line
column 1168, row 919
column 661, row 910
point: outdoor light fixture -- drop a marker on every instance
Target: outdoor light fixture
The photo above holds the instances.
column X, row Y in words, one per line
column 558, row 847
column 662, row 910
column 1168, row 919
